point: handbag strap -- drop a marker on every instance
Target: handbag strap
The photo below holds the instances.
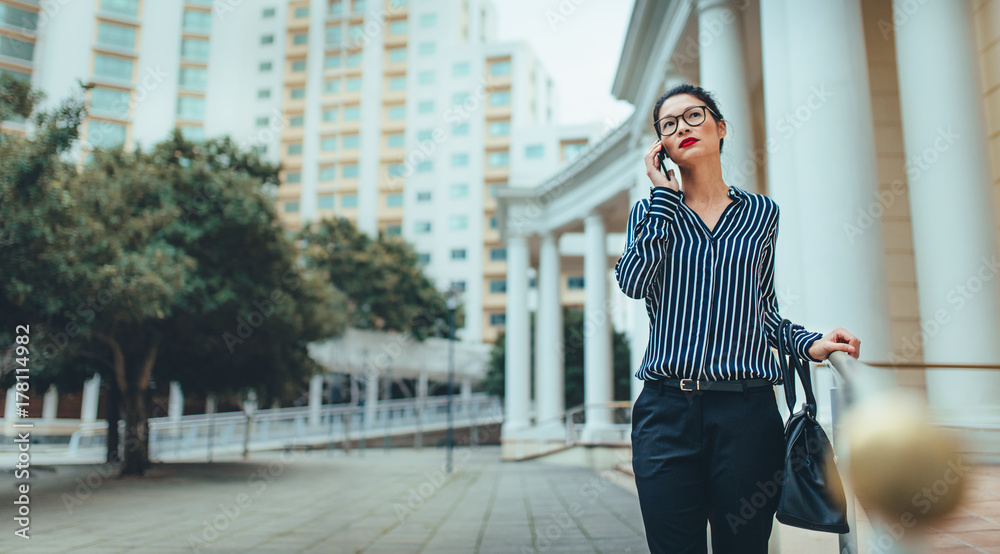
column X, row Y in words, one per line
column 791, row 363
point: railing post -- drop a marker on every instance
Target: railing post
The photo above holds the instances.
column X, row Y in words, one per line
column 849, row 540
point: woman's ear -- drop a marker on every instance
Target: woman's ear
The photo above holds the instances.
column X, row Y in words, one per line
column 722, row 129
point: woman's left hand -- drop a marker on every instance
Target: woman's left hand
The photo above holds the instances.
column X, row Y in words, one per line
column 838, row 339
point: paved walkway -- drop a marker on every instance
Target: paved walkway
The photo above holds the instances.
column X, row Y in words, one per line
column 315, row 502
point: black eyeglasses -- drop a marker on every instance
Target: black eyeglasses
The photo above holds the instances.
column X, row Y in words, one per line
column 693, row 116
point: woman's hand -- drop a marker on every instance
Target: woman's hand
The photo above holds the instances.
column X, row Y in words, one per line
column 653, row 169
column 838, row 339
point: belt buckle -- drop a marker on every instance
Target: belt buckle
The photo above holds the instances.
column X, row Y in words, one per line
column 697, row 385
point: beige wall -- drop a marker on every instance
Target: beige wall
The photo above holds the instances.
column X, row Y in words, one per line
column 986, row 14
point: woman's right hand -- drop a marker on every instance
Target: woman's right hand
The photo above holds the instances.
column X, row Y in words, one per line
column 653, row 169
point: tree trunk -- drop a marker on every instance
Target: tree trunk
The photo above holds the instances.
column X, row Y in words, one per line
column 136, row 432
column 113, row 415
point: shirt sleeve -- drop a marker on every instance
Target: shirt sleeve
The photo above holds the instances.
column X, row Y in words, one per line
column 646, row 245
column 801, row 338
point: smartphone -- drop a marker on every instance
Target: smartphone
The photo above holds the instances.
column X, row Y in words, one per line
column 662, row 155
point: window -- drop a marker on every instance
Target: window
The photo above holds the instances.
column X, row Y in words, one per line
column 425, row 77
column 460, row 129
column 297, row 121
column 498, row 319
column 328, row 144
column 123, row 7
column 498, row 159
column 424, row 134
column 397, row 112
column 354, row 60
column 397, row 27
column 334, row 35
column 349, row 201
column 298, row 93
column 336, row 7
column 393, row 230
column 293, row 177
column 352, row 113
column 423, row 258
column 112, row 67
column 397, row 55
column 459, row 98
column 193, row 133
column 291, row 207
column 105, row 133
column 428, row 19
column 394, row 200
column 394, row 170
column 425, row 106
column 359, row 6
column 331, row 86
column 458, row 253
column 328, row 173
column 302, row 11
column 493, row 222
column 499, row 128
column 267, row 39
column 395, row 140
column 350, row 141
column 264, row 67
column 329, row 114
column 460, row 69
column 531, row 283
column 332, row 61
column 298, row 66
column 574, row 282
column 118, row 36
column 425, row 166
column 349, row 171
column 295, row 149
column 267, row 13
column 262, row 121
column 422, row 227
column 500, row 98
column 300, row 38
column 458, row 222
column 353, row 84
column 355, row 32
column 534, row 151
column 424, row 196
column 110, row 101
column 263, row 93
column 572, row 150
column 194, row 49
column 500, row 67
column 498, row 254
column 197, row 21
column 427, row 48
column 498, row 286
column 325, row 202
column 191, row 107
column 492, row 189
column 459, row 160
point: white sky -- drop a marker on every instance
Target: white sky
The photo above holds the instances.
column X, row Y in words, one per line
column 579, row 42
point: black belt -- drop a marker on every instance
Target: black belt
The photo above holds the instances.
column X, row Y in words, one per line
column 690, row 385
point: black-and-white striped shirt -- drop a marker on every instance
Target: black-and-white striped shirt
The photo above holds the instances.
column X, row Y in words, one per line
column 709, row 294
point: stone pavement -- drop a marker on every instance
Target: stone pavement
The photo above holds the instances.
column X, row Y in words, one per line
column 317, row 502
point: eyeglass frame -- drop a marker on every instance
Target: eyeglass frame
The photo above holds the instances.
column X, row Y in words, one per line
column 656, row 124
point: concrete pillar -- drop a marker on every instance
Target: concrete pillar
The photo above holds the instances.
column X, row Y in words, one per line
column 91, row 391
column 517, row 358
column 372, row 381
column 50, row 403
column 10, row 407
column 549, row 375
column 638, row 338
column 466, row 393
column 835, row 173
column 175, row 402
column 210, row 404
column 315, row 399
column 951, row 208
column 723, row 72
column 597, row 378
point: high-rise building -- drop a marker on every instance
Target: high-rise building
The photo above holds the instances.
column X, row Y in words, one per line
column 404, row 117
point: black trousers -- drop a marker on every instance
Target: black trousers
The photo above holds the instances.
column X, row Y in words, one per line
column 711, row 456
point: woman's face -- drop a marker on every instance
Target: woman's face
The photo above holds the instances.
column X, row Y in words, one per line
column 689, row 144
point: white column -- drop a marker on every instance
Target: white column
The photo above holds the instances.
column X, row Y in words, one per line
column 10, row 407
column 723, row 73
column 465, row 393
column 422, row 386
column 835, row 174
column 517, row 360
column 549, row 376
column 373, row 383
column 91, row 390
column 638, row 338
column 951, row 208
column 315, row 399
column 175, row 402
column 597, row 380
column 50, row 403
column 210, row 404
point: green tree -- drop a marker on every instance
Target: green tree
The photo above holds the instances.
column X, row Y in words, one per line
column 573, row 339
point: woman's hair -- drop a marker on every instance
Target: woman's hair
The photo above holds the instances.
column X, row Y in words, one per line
column 697, row 92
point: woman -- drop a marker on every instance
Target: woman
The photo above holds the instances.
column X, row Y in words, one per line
column 707, row 437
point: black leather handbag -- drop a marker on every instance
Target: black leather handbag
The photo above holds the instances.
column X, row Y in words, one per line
column 812, row 494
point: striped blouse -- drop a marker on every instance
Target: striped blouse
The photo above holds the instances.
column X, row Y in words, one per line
column 709, row 295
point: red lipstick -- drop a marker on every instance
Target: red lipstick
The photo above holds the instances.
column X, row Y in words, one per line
column 688, row 142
